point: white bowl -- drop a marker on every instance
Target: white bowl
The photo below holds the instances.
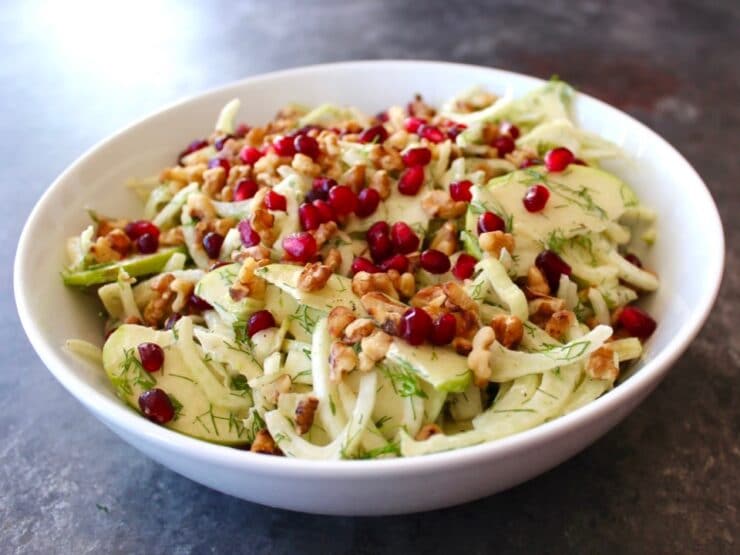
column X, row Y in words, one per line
column 688, row 256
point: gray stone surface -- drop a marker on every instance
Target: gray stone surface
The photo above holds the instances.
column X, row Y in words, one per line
column 665, row 481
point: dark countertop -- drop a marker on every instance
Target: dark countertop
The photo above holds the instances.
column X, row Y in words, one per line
column 664, row 481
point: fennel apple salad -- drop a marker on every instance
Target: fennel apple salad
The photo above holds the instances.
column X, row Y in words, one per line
column 337, row 285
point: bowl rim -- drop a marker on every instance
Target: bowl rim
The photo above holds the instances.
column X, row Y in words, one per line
column 113, row 411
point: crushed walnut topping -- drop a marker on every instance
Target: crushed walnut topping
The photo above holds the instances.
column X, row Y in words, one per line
column 304, row 414
column 603, row 364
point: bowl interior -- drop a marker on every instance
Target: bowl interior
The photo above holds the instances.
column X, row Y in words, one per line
column 688, row 255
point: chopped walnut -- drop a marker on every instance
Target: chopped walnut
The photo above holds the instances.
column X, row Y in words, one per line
column 449, row 296
column 457, row 298
column 267, row 164
column 182, row 289
column 354, row 178
column 223, row 225
column 385, row 310
column 420, row 109
column 479, row 359
column 603, row 364
column 304, row 414
column 200, row 207
column 158, row 308
column 262, row 222
column 248, row 283
column 520, row 155
column 438, row 203
column 559, row 323
column 536, row 282
column 263, row 443
column 114, row 246
column 431, row 298
column 258, row 252
column 329, row 142
column 106, row 225
column 509, row 330
column 324, row 232
column 381, row 182
column 462, row 346
column 364, row 282
column 427, row 431
column 333, row 259
column 542, row 308
column 358, row 329
column 255, row 136
column 339, row 318
column 184, row 174
column 467, row 324
column 445, row 240
column 172, row 237
column 342, row 358
column 404, row 283
column 373, row 348
column 314, row 276
column 493, row 242
column 398, row 139
column 489, row 133
column 214, row 180
column 390, row 159
column 305, row 165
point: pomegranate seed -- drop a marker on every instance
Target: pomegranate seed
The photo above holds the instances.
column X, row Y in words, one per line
column 379, row 241
column 415, row 326
column 362, row 264
column 443, row 330
column 530, row 162
column 300, row 247
column 326, row 212
column 396, row 262
column 557, row 159
column 404, row 239
column 192, row 147
column 219, row 143
column 431, row 133
column 250, row 155
column 460, row 190
column 220, row 163
column 376, row 230
column 464, row 266
column 309, row 216
column 212, row 244
column 241, row 130
column 553, row 267
column 156, row 406
column 248, row 235
column 412, row 124
column 420, row 156
column 411, row 181
column 382, row 116
column 315, row 194
column 139, row 227
column 503, row 145
column 322, row 186
column 375, row 134
column 151, row 355
column 434, row 261
column 284, row 146
column 489, row 221
column 306, row 145
column 509, row 129
column 260, row 320
column 198, row 304
column 172, row 320
column 367, row 202
column 633, row 259
column 275, row 201
column 637, row 322
column 245, row 189
column 147, row 243
column 536, row 197
column 455, row 130
column 343, row 200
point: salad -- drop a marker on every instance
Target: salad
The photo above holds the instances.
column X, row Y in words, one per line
column 337, row 285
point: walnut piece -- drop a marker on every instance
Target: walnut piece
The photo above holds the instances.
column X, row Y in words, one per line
column 536, row 282
column 342, row 358
column 445, row 240
column 542, row 308
column 509, row 330
column 365, row 282
column 493, row 242
column 439, row 204
column 305, row 165
column 158, row 308
column 314, row 276
column 263, row 443
column 385, row 310
column 304, row 414
column 339, row 318
column 559, row 323
column 214, row 180
column 182, row 289
column 373, row 348
column 480, row 357
column 200, row 207
column 358, row 329
column 333, row 259
column 602, row 364
column 381, row 182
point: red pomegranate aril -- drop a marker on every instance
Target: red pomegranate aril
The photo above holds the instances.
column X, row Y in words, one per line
column 248, row 235
column 431, row 133
column 557, row 159
column 147, row 243
column 375, row 134
column 219, row 143
column 536, row 198
column 306, row 145
column 343, row 200
column 284, row 146
column 411, row 181
column 157, row 406
column 362, row 264
column 139, row 227
column 367, row 202
column 212, row 244
column 323, row 185
column 420, row 156
column 241, row 130
column 464, row 266
column 528, row 162
column 415, row 326
column 443, row 330
column 553, row 267
column 460, row 190
column 633, row 259
column 300, row 247
column 151, row 356
column 404, row 239
column 260, row 320
column 250, row 155
column 198, row 304
column 382, row 116
column 172, row 320
column 503, row 145
column 396, row 262
column 220, row 163
column 275, row 201
column 326, row 212
column 412, row 124
column 376, row 230
column 455, row 130
column 637, row 322
column 434, row 261
column 309, row 216
column 245, row 189
column 192, row 147
column 379, row 241
column 509, row 129
column 489, row 221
